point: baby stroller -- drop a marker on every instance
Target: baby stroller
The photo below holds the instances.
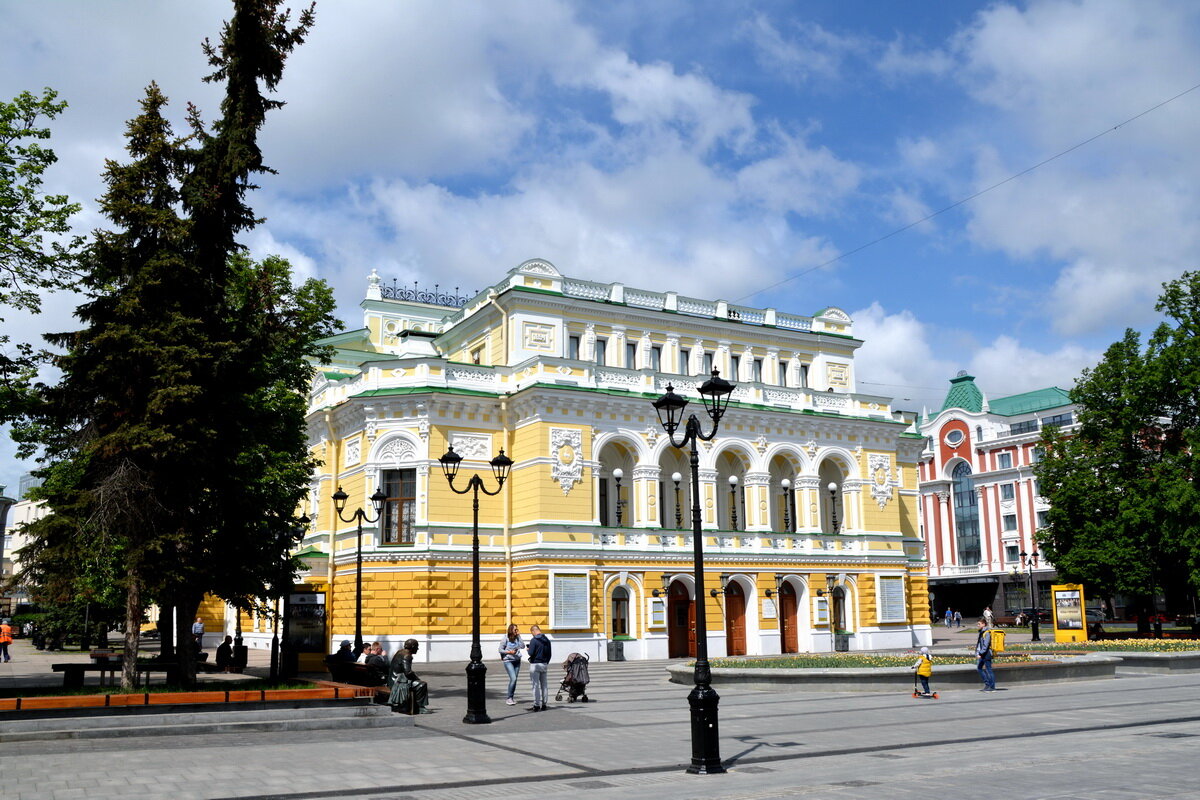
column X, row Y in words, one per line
column 576, row 680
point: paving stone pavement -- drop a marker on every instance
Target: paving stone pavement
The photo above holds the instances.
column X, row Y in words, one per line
column 1129, row 737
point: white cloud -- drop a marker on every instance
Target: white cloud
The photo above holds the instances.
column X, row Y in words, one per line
column 1115, row 218
column 1005, row 367
column 905, row 358
column 804, row 53
column 903, row 60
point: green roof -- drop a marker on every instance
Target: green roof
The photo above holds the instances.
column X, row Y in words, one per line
column 963, row 394
column 966, row 395
column 1037, row 400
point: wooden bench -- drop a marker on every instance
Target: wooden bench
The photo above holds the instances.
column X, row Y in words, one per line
column 353, row 673
column 73, row 673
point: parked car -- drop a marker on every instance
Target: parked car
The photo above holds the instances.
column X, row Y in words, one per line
column 1094, row 615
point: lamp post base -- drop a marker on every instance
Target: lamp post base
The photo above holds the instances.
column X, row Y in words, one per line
column 706, row 741
column 476, row 695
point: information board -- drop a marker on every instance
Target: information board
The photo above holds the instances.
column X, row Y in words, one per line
column 1070, row 624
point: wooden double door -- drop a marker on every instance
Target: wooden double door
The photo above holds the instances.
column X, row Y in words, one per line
column 681, row 622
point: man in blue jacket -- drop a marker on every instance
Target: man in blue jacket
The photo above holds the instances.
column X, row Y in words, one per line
column 539, row 659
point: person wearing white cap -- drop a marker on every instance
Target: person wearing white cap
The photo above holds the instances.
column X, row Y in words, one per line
column 924, row 668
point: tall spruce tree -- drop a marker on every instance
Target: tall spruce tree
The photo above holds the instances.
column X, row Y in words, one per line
column 1124, row 489
column 181, row 408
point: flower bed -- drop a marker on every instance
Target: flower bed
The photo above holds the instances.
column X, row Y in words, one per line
column 853, row 661
column 1139, row 645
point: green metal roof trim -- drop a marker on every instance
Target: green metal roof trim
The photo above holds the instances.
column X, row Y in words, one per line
column 963, row 394
column 358, row 333
column 1037, row 400
column 310, row 551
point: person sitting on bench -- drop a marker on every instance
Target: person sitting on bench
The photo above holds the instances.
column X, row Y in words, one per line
column 410, row 694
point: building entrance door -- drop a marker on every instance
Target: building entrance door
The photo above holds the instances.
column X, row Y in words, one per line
column 681, row 622
column 790, row 640
column 735, row 619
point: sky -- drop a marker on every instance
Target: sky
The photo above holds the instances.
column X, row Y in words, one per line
column 755, row 152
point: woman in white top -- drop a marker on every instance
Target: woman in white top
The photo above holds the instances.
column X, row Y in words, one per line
column 510, row 652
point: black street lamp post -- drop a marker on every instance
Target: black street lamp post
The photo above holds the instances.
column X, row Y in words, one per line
column 676, row 477
column 476, row 669
column 833, row 505
column 733, row 482
column 786, row 485
column 703, row 699
column 359, row 516
column 620, row 504
column 1028, row 563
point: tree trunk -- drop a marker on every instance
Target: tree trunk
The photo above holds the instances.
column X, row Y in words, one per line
column 185, row 643
column 166, row 632
column 133, row 631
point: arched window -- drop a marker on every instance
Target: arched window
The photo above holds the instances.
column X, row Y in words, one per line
column 966, row 515
column 620, row 611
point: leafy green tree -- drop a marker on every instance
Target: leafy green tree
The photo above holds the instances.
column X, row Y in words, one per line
column 37, row 252
column 1125, row 508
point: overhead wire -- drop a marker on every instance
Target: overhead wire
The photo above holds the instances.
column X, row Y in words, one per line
column 969, row 198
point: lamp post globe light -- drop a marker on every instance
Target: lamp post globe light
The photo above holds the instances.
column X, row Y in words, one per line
column 476, row 669
column 359, row 516
column 703, row 699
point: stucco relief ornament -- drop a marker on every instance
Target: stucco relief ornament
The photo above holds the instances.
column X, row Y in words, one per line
column 397, row 451
column 566, row 453
column 761, row 444
column 651, row 435
column 880, row 469
column 473, row 445
column 353, row 452
column 810, row 447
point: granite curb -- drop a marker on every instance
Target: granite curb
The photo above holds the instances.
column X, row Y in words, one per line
column 889, row 679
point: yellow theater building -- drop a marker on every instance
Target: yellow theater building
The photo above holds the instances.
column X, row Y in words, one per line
column 808, row 492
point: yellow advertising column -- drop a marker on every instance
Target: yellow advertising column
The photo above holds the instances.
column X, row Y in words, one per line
column 1070, row 622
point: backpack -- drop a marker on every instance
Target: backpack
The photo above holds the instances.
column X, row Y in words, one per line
column 997, row 641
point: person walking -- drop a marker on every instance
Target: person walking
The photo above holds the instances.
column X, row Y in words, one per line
column 539, row 659
column 949, row 617
column 5, row 640
column 983, row 656
column 957, row 618
column 510, row 653
column 989, row 617
column 198, row 634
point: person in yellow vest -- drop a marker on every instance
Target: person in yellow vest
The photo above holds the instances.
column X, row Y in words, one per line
column 924, row 668
column 5, row 641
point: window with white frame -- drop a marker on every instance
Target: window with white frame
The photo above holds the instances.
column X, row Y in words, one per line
column 569, row 600
column 1007, row 491
column 1010, row 522
column 1004, row 461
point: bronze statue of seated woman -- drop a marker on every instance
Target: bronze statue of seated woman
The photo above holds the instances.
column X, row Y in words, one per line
column 410, row 694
